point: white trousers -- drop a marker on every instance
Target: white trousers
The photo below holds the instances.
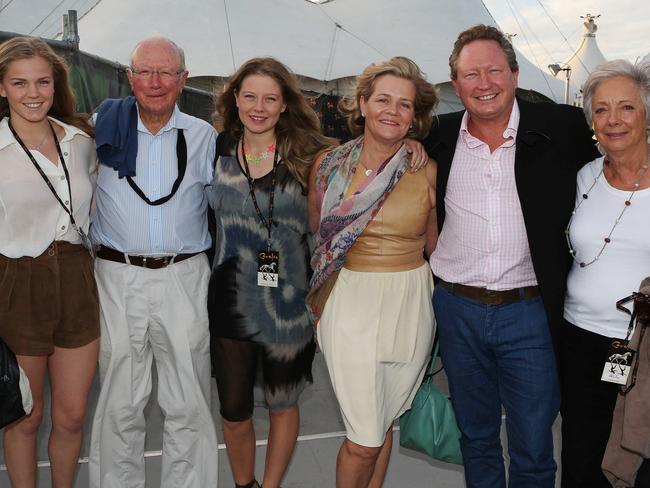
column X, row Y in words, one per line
column 161, row 315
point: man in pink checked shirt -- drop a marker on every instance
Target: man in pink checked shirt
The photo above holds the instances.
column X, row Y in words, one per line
column 506, row 188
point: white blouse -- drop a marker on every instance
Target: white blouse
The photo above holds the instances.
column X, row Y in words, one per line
column 30, row 216
column 592, row 292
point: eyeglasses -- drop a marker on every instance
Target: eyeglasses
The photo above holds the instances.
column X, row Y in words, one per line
column 164, row 74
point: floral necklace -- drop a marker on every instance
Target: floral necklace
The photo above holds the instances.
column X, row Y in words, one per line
column 608, row 238
column 257, row 159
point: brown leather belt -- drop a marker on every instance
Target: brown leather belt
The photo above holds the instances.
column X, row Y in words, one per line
column 143, row 261
column 491, row 297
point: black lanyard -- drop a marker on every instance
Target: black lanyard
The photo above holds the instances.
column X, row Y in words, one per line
column 620, row 305
column 637, row 298
column 44, row 176
column 267, row 223
column 181, row 156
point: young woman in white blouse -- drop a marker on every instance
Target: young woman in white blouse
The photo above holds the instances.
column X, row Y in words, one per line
column 49, row 313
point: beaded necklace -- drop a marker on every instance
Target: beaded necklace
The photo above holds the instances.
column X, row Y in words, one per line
column 250, row 158
column 608, row 239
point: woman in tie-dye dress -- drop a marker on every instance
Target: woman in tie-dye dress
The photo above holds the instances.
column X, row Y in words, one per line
column 260, row 330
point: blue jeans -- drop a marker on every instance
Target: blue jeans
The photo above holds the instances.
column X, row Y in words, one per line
column 500, row 355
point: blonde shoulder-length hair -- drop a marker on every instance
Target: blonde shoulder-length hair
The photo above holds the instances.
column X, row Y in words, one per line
column 426, row 95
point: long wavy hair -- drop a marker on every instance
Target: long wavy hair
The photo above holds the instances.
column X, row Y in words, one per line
column 63, row 105
column 297, row 132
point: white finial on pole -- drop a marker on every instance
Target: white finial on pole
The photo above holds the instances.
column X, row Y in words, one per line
column 590, row 24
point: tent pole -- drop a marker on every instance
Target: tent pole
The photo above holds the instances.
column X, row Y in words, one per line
column 71, row 29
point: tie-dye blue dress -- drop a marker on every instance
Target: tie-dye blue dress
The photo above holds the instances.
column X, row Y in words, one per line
column 239, row 308
column 259, row 335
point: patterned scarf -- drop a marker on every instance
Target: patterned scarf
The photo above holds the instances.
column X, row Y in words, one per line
column 342, row 219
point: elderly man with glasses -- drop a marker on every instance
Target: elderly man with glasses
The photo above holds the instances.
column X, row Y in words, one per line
column 152, row 274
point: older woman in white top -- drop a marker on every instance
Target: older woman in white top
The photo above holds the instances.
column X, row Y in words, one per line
column 609, row 240
column 49, row 312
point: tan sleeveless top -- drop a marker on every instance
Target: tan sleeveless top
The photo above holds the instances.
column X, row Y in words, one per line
column 394, row 240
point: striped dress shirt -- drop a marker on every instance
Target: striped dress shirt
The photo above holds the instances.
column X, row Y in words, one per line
column 125, row 222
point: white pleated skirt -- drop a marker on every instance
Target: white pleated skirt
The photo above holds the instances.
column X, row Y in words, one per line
column 376, row 333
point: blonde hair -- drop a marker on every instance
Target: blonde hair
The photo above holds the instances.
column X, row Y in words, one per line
column 426, row 95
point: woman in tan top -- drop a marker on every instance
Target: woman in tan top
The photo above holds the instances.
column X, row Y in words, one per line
column 373, row 221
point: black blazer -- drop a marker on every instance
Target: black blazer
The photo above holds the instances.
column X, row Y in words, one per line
column 553, row 142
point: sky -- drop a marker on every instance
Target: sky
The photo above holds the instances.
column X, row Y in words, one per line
column 623, row 27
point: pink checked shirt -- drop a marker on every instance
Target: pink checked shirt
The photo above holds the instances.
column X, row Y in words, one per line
column 483, row 241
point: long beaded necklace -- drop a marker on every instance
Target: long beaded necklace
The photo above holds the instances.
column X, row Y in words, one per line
column 608, row 239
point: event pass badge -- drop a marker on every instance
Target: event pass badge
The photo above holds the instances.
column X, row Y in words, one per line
column 618, row 363
column 268, row 264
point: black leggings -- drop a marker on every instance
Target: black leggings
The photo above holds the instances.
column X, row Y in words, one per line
column 587, row 407
column 281, row 370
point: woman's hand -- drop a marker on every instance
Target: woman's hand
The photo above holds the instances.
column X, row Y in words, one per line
column 313, row 198
column 417, row 155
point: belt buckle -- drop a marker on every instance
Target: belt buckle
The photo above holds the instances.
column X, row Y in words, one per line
column 492, row 297
column 163, row 260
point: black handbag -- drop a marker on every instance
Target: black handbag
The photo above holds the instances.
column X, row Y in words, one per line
column 11, row 399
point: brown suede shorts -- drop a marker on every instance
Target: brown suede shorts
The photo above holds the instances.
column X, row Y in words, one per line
column 50, row 300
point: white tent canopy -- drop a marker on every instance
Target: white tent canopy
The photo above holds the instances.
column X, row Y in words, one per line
column 584, row 60
column 325, row 42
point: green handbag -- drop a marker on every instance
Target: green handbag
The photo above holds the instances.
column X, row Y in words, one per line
column 430, row 425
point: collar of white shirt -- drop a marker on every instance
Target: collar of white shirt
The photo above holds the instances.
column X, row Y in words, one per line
column 510, row 132
column 178, row 120
column 6, row 137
